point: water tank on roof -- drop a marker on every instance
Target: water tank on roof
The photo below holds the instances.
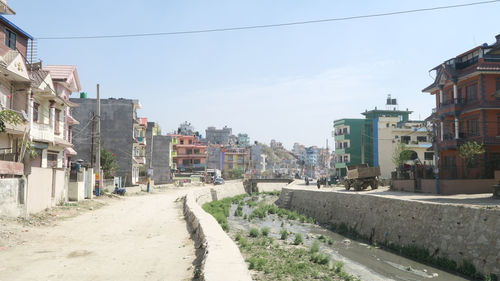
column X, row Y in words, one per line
column 83, row 95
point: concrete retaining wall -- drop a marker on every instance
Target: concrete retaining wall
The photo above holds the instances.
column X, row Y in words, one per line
column 457, row 232
column 222, row 259
column 447, row 187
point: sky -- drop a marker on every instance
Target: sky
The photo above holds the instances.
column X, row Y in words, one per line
column 286, row 83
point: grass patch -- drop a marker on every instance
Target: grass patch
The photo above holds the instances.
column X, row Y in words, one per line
column 298, row 239
column 220, row 209
column 254, row 232
column 314, row 247
column 284, row 233
column 265, row 231
column 280, row 261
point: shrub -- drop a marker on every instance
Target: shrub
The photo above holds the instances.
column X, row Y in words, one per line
column 284, row 234
column 320, row 258
column 243, row 242
column 298, row 239
column 254, row 232
column 264, row 231
column 237, row 237
column 467, row 268
column 330, row 241
column 239, row 211
column 314, row 247
column 256, row 263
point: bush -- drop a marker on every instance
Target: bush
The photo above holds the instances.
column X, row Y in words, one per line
column 320, row 258
column 298, row 239
column 237, row 237
column 264, row 231
column 254, row 232
column 239, row 211
column 284, row 234
column 243, row 242
column 330, row 241
column 314, row 247
column 256, row 263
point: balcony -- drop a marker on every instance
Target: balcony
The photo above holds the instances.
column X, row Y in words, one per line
column 42, row 132
column 140, row 159
column 140, row 140
column 173, row 153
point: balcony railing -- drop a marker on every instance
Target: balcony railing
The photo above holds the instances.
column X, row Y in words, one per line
column 42, row 132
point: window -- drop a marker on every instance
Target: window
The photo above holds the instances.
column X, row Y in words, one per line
column 56, row 123
column 230, row 158
column 498, row 125
column 230, row 166
column 405, row 139
column 189, row 151
column 196, row 151
column 190, row 141
column 471, row 93
column 35, row 111
column 185, row 162
column 196, row 161
column 428, row 155
column 52, row 159
column 182, row 141
column 10, row 39
column 473, row 127
column 421, row 138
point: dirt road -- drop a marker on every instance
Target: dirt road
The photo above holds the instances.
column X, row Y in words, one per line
column 138, row 238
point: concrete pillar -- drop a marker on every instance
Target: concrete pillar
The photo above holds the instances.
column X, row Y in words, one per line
column 52, row 115
column 442, row 130
column 455, row 93
column 456, row 128
column 440, row 96
column 29, row 109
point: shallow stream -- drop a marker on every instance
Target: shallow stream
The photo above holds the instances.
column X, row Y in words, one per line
column 362, row 260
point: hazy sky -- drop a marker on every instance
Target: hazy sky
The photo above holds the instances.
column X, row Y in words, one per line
column 286, row 83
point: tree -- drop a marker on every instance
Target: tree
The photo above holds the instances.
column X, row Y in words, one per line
column 108, row 163
column 7, row 116
column 469, row 151
column 401, row 154
column 237, row 172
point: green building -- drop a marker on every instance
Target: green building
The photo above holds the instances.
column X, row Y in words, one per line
column 371, row 131
column 347, row 134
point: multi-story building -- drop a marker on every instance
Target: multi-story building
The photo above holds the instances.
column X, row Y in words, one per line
column 234, row 158
column 65, row 81
column 347, row 135
column 152, row 130
column 218, row 136
column 122, row 133
column 186, row 129
column 162, row 161
column 189, row 154
column 467, row 94
column 243, row 140
column 215, row 158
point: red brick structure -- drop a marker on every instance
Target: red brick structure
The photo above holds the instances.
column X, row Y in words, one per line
column 467, row 91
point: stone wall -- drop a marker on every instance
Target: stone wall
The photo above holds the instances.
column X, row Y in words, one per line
column 456, row 232
column 447, row 187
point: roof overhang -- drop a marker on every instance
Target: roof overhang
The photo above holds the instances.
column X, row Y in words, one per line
column 5, row 9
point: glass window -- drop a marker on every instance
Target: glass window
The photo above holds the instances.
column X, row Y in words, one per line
column 471, row 93
column 10, row 39
column 473, row 127
column 52, row 159
column 35, row 111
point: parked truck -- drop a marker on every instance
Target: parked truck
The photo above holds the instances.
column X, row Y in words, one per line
column 361, row 176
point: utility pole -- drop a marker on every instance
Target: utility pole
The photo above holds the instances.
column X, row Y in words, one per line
column 92, row 145
column 362, row 144
column 98, row 157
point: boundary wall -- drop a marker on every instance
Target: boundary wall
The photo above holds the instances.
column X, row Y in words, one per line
column 453, row 231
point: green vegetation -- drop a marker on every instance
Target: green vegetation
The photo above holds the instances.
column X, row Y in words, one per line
column 108, row 163
column 265, row 231
column 469, row 151
column 237, row 172
column 10, row 117
column 330, row 241
column 284, row 234
column 298, row 239
column 314, row 247
column 239, row 211
column 254, row 232
column 280, row 261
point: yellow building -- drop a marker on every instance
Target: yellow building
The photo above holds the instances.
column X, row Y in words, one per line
column 235, row 159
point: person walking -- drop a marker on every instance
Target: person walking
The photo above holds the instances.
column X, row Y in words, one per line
column 149, row 183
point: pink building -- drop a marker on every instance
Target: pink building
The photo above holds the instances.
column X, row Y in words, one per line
column 189, row 155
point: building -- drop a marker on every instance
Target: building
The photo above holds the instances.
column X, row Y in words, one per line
column 162, row 161
column 65, row 81
column 415, row 136
column 243, row 140
column 122, row 133
column 189, row 155
column 186, row 129
column 467, row 94
column 152, row 130
column 347, row 136
column 218, row 136
column 234, row 158
column 215, row 158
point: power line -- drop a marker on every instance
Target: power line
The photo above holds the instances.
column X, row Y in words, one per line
column 267, row 25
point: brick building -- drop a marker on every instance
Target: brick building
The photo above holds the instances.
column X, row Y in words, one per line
column 467, row 92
